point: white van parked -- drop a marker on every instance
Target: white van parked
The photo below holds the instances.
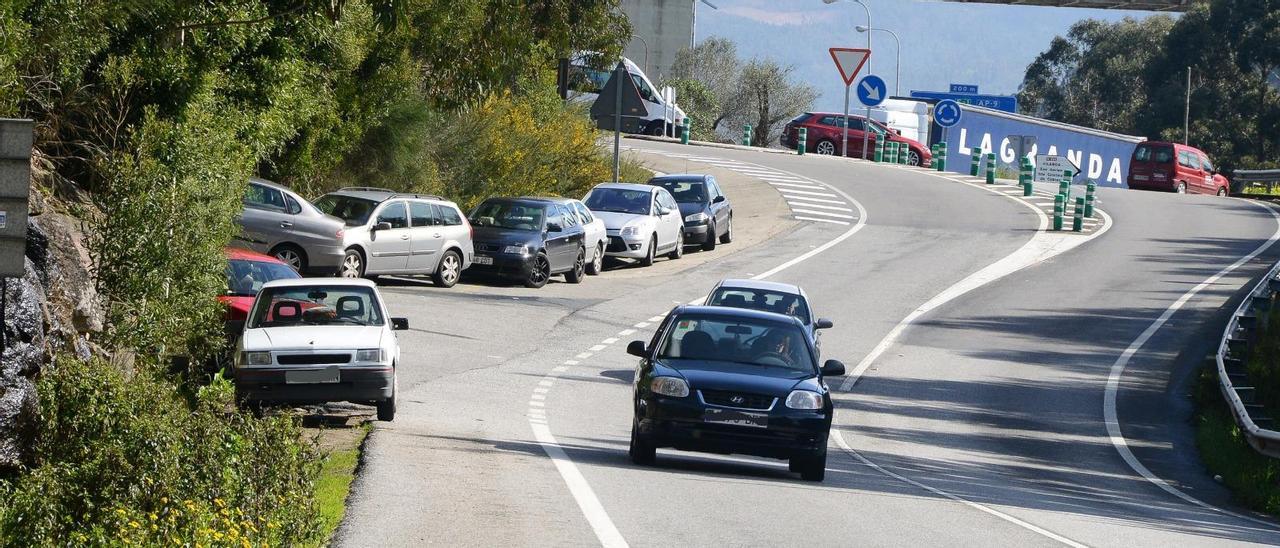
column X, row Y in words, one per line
column 586, row 83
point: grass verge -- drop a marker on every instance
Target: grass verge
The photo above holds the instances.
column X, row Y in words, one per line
column 337, row 471
column 1254, row 479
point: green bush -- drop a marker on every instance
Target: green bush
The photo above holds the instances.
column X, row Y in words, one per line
column 1254, row 479
column 125, row 461
column 1263, row 366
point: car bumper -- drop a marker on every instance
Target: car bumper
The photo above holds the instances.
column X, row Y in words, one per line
column 678, row 423
column 697, row 234
column 1162, row 186
column 505, row 265
column 324, row 260
column 364, row 384
column 618, row 246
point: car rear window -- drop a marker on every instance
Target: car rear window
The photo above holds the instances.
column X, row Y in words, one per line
column 1160, row 154
column 355, row 211
column 759, row 299
column 685, row 191
column 802, row 118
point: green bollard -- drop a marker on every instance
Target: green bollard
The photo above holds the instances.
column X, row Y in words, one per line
column 746, row 135
column 800, row 143
column 1077, row 222
column 1058, row 206
column 991, row 168
column 904, row 151
column 941, row 160
column 1088, row 198
column 684, row 133
column 879, row 156
column 974, row 162
column 1064, row 188
column 891, row 153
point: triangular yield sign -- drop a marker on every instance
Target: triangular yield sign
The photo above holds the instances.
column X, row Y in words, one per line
column 849, row 61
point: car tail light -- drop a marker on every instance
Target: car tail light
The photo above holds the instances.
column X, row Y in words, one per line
column 340, row 233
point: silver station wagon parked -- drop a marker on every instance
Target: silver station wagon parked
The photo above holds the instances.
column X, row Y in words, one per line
column 393, row 233
column 278, row 222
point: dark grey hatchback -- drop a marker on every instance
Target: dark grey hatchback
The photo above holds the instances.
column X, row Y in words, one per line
column 707, row 213
column 727, row 380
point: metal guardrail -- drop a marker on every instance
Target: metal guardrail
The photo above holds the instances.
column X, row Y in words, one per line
column 1231, row 356
column 1242, row 179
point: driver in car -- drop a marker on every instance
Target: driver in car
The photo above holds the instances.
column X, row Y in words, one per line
column 776, row 343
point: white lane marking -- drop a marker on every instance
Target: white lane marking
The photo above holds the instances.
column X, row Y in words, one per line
column 1029, row 526
column 581, row 490
column 1117, row 371
column 571, row 362
column 538, row 397
column 819, row 220
column 811, row 193
column 641, row 325
column 789, row 186
column 583, row 355
column 656, row 318
column 538, row 403
column 560, row 369
column 626, row 332
column 545, row 382
column 783, row 178
column 597, row 347
column 819, row 206
column 808, row 199
column 824, row 213
column 609, row 340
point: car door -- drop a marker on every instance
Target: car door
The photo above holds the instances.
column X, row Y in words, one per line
column 569, row 237
column 389, row 249
column 1206, row 168
column 264, row 219
column 426, row 238
column 671, row 222
column 719, row 204
column 592, row 229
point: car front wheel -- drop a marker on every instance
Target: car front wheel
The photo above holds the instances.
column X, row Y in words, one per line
column 649, row 255
column 1181, row 188
column 825, row 148
column 1222, row 191
column 387, row 407
column 352, row 264
column 642, row 451
column 811, row 467
column 710, row 243
column 539, row 273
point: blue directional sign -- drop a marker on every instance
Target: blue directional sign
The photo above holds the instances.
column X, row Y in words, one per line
column 872, row 90
column 1007, row 103
column 964, row 88
column 946, row 113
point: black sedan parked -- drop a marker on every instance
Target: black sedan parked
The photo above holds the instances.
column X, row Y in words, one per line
column 730, row 380
column 708, row 216
column 528, row 239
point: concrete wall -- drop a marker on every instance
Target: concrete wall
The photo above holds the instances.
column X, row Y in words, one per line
column 667, row 26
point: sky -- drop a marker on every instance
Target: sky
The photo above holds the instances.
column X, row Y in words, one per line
column 988, row 45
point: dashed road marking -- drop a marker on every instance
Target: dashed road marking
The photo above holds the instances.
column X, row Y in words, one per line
column 811, row 212
column 811, row 199
column 817, row 220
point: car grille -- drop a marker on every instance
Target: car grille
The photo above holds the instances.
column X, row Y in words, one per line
column 312, row 359
column 739, row 400
column 616, row 244
column 487, row 247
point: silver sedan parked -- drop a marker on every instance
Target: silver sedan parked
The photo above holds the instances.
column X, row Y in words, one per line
column 278, row 222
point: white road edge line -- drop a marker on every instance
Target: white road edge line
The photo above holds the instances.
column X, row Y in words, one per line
column 1117, row 371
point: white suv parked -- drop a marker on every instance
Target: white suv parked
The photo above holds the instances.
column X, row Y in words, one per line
column 391, row 233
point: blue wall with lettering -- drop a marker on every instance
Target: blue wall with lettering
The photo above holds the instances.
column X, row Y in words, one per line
column 1102, row 157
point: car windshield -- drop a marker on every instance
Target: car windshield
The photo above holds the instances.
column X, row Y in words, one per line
column 509, row 215
column 879, row 129
column 748, row 341
column 355, row 211
column 777, row 302
column 245, row 278
column 620, row 200
column 685, row 191
column 316, row 305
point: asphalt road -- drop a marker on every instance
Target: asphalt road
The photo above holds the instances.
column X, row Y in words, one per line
column 983, row 423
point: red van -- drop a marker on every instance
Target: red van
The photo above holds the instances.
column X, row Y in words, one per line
column 1174, row 167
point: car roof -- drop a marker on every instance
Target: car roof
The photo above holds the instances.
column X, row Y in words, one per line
column 520, row 199
column 628, row 186
column 761, row 285
column 745, row 313
column 552, row 199
column 1172, row 144
column 680, row 177
column 240, row 254
column 303, row 282
column 380, row 195
column 271, row 184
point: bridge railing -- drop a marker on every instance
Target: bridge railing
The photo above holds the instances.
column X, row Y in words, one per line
column 1232, row 356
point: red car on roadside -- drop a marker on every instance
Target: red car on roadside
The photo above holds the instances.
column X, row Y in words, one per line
column 1175, row 167
column 246, row 272
column 825, row 132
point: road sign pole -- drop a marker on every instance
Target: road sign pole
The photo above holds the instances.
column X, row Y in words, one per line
column 844, row 142
column 866, row 128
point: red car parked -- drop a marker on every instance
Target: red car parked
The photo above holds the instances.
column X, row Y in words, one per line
column 1174, row 167
column 246, row 272
column 826, row 132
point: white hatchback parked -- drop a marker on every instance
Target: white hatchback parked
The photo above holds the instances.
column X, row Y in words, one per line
column 641, row 221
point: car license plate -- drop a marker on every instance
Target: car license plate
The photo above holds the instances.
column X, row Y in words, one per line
column 312, row 376
column 1139, row 177
column 736, row 418
column 483, row 259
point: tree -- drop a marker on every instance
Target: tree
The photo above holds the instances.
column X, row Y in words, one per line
column 699, row 104
column 768, row 98
column 713, row 62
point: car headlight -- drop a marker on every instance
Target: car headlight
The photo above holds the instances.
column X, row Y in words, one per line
column 257, row 358
column 630, row 230
column 516, row 249
column 804, row 399
column 371, row 355
column 669, row 386
column 698, row 217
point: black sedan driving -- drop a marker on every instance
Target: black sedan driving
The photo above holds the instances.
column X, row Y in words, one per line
column 728, row 380
column 528, row 239
column 708, row 216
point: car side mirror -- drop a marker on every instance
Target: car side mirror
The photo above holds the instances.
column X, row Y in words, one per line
column 717, row 199
column 382, row 226
column 554, row 227
column 637, row 349
column 823, row 323
column 399, row 324
column 833, row 368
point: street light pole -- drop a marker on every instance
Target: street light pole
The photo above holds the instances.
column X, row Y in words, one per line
column 897, row 69
column 646, row 51
column 844, row 144
column 1186, row 115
